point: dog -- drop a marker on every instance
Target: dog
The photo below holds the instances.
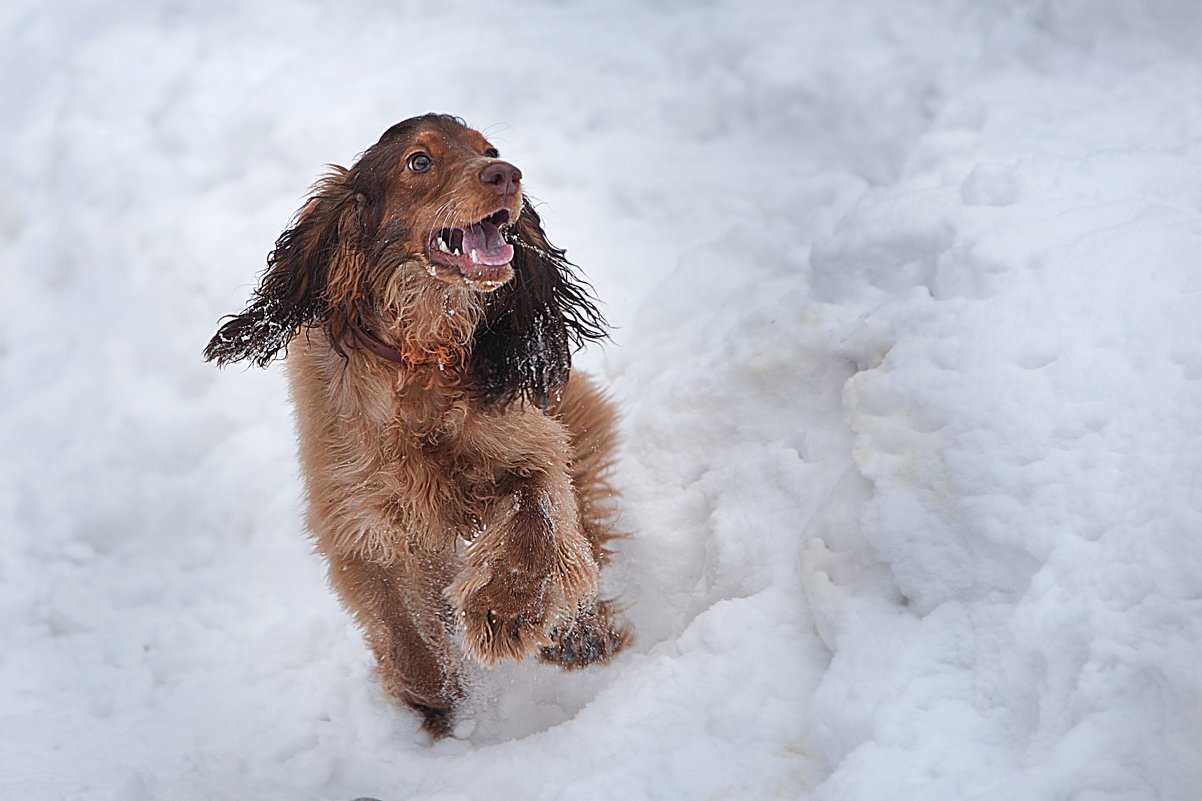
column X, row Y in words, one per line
column 456, row 469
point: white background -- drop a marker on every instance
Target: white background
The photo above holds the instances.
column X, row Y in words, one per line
column 907, row 348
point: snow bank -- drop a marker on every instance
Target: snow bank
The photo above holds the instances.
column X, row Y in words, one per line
column 907, row 350
column 1028, row 412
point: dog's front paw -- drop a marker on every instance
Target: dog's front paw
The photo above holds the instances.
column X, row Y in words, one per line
column 527, row 575
column 507, row 617
column 595, row 637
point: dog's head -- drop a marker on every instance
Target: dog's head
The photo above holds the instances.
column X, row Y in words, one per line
column 429, row 212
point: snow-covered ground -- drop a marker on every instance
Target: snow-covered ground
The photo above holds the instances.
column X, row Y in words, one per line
column 908, row 349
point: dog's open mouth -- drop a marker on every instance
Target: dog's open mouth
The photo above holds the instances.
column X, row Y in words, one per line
column 478, row 252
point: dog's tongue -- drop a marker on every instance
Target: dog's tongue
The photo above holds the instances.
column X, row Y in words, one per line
column 483, row 245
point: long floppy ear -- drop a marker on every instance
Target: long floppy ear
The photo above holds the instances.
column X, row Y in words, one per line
column 523, row 345
column 312, row 275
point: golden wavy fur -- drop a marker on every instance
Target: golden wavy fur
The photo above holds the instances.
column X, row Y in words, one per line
column 455, row 468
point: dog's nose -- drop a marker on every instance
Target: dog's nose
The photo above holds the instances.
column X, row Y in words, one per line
column 502, row 177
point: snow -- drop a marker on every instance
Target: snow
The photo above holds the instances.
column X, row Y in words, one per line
column 907, row 350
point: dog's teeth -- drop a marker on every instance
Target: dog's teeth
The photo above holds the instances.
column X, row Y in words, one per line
column 475, row 258
column 443, row 246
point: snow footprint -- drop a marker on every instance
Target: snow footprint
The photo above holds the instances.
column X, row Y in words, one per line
column 991, row 184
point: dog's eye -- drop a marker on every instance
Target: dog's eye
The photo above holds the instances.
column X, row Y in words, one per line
column 420, row 162
column 492, row 153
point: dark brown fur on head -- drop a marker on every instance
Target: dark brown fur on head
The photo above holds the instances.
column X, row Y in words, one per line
column 333, row 266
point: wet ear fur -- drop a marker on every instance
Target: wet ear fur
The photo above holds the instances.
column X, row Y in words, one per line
column 313, row 276
column 523, row 345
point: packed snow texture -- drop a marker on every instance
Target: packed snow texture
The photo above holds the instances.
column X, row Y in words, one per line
column 908, row 350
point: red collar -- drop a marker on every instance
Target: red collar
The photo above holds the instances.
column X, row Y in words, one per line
column 376, row 346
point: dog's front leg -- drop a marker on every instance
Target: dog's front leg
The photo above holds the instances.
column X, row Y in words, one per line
column 401, row 612
column 528, row 571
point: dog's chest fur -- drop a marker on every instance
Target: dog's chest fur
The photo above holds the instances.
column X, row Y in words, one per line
column 437, row 460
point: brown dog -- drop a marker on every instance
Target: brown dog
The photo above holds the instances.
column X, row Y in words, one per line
column 455, row 470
